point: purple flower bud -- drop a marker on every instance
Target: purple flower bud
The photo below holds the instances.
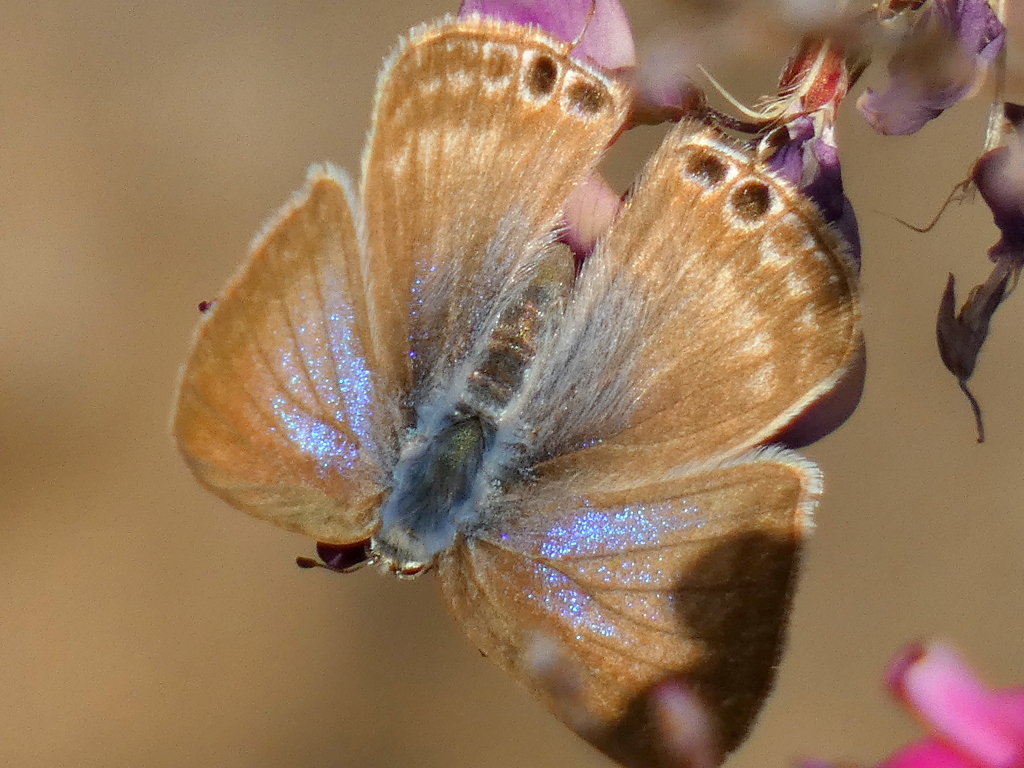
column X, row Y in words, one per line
column 999, row 177
column 947, row 53
column 960, row 336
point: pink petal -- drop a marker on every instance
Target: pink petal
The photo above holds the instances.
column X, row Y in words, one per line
column 928, row 753
column 938, row 686
column 589, row 212
column 607, row 38
column 1009, row 704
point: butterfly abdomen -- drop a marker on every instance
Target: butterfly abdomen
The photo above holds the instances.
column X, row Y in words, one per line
column 498, row 371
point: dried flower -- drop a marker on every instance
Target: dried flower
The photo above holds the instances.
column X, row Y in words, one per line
column 999, row 177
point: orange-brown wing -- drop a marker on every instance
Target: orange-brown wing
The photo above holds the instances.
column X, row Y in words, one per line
column 590, row 598
column 278, row 410
column 719, row 306
column 480, row 132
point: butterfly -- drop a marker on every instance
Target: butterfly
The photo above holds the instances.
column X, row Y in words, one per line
column 414, row 373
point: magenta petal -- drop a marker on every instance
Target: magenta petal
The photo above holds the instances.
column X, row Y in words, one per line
column 1009, row 704
column 928, row 753
column 939, row 687
column 607, row 41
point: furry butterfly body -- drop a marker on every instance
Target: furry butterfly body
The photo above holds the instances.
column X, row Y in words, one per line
column 417, row 369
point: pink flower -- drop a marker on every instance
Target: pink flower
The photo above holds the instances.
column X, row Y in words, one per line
column 970, row 725
column 600, row 26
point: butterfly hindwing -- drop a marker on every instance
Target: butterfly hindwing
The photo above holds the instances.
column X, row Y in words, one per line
column 278, row 410
column 628, row 584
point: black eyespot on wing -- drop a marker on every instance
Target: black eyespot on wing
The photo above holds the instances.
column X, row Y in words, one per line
column 705, row 168
column 586, row 98
column 752, row 200
column 542, row 76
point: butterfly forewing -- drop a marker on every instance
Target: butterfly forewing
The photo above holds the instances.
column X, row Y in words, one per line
column 723, row 303
column 278, row 409
column 480, row 131
column 687, row 575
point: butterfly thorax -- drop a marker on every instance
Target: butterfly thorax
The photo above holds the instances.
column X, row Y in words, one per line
column 466, row 443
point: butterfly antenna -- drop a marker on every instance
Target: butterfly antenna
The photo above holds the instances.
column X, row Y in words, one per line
column 957, row 193
column 586, row 25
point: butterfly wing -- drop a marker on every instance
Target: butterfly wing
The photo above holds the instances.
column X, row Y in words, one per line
column 289, row 406
column 278, row 410
column 719, row 306
column 588, row 596
column 649, row 542
column 480, row 131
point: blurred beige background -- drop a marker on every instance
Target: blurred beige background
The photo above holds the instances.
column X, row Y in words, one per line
column 143, row 622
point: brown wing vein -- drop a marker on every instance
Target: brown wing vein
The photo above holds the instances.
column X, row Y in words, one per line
column 219, row 416
column 594, row 639
column 331, row 412
column 296, row 344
